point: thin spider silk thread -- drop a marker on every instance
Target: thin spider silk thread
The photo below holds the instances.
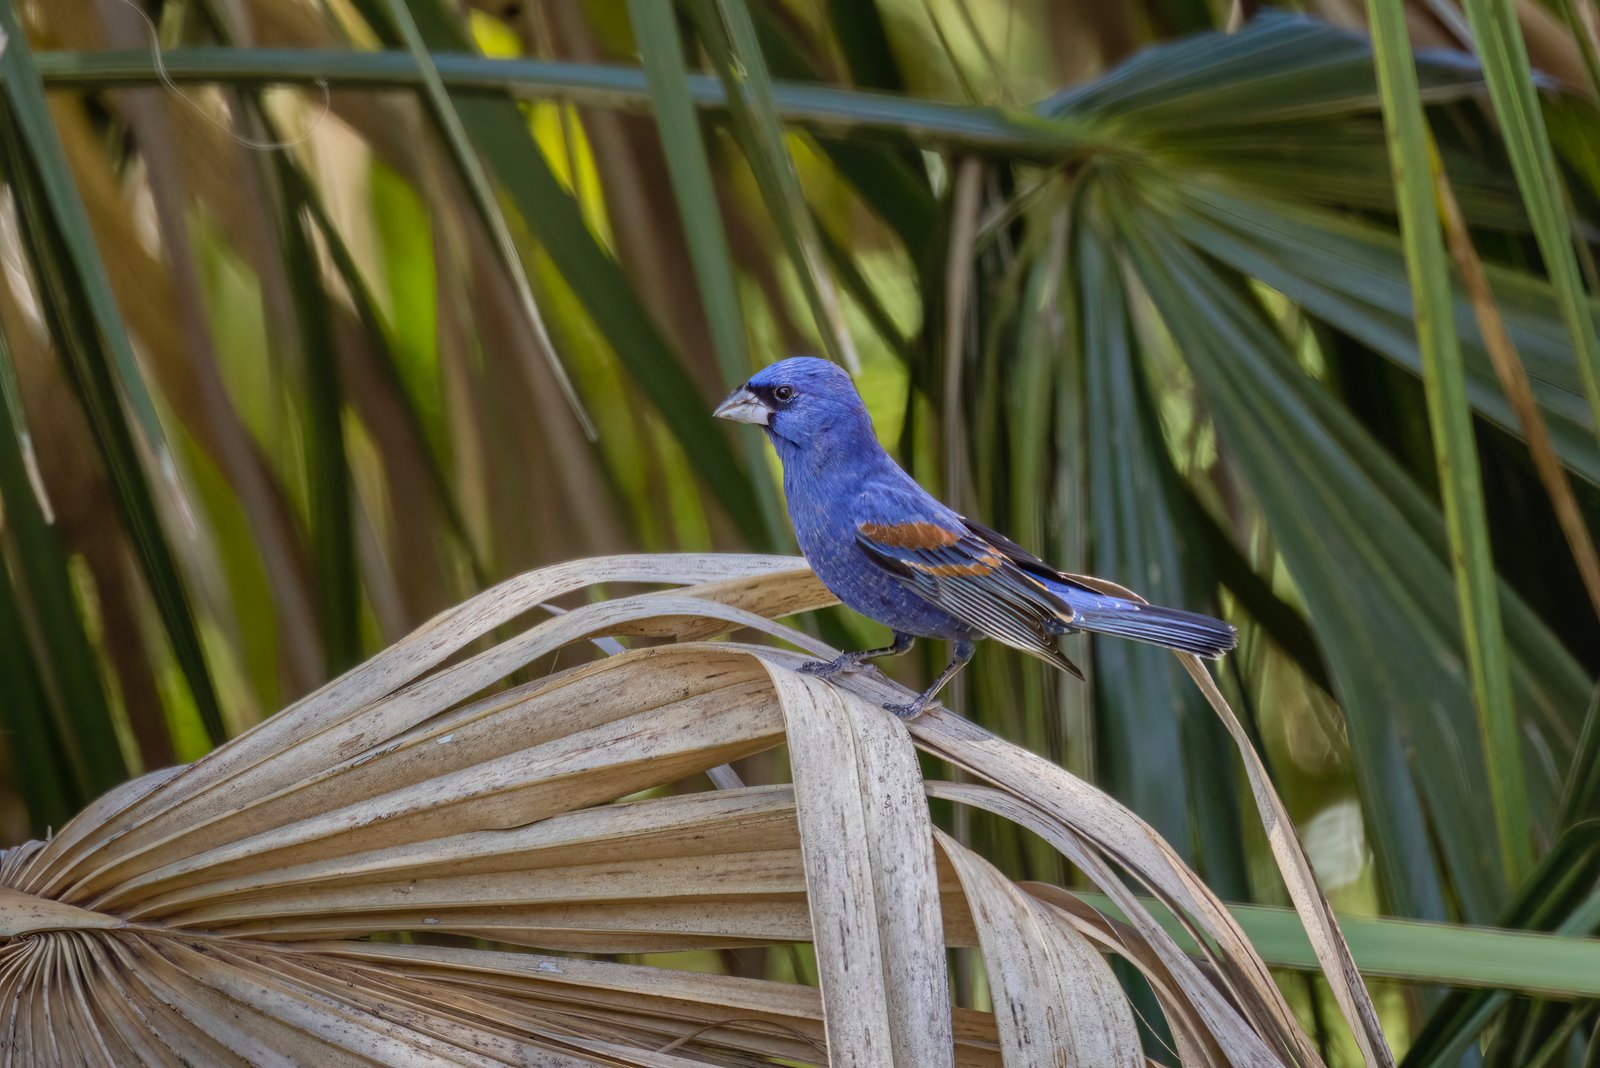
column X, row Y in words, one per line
column 172, row 87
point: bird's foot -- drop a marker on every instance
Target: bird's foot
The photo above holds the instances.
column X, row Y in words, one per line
column 909, row 710
column 827, row 669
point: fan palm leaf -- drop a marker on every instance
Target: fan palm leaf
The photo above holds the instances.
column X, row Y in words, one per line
column 302, row 893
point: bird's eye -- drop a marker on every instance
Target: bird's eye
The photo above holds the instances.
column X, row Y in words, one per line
column 783, row 394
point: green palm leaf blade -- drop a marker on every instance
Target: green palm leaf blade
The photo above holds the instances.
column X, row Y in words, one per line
column 864, row 40
column 56, row 718
column 1474, row 957
column 330, row 511
column 821, row 110
column 1498, row 35
column 1133, row 103
column 1346, row 156
column 1160, row 740
column 60, row 202
column 1558, row 896
column 1551, row 688
column 1278, row 67
column 25, row 718
column 1413, row 162
column 1351, row 275
column 1390, row 638
column 1580, row 794
column 728, row 32
column 1573, row 126
column 99, row 357
column 412, row 407
column 889, row 177
column 1031, row 401
column 656, row 28
column 1285, row 104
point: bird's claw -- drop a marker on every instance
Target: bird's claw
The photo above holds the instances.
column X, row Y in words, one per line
column 827, row 669
column 910, row 710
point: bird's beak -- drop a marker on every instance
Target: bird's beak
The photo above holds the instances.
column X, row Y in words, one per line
column 742, row 406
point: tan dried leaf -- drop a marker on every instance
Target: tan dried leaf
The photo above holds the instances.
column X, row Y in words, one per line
column 304, row 894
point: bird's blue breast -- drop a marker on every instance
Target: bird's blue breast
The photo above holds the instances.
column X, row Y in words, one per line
column 821, row 507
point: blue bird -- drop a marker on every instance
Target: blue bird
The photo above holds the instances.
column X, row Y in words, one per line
column 886, row 548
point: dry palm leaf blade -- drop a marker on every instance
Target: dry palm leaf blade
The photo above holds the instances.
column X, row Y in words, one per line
column 400, row 868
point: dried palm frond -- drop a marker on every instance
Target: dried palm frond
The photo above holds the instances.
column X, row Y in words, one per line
column 288, row 898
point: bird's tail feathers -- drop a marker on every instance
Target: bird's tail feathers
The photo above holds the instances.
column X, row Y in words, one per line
column 1172, row 628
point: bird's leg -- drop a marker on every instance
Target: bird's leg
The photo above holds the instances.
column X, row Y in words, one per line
column 827, row 669
column 963, row 652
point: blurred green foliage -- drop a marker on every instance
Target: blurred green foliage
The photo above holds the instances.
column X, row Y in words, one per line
column 1117, row 280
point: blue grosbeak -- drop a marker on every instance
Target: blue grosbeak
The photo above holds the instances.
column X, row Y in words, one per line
column 887, row 549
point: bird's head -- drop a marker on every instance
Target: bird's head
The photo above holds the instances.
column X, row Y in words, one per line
column 802, row 402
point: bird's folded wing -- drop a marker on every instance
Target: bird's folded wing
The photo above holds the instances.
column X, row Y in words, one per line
column 967, row 576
